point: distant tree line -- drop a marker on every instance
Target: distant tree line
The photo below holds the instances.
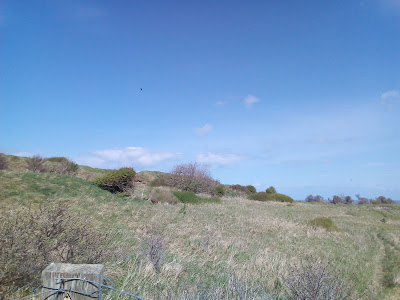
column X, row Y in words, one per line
column 348, row 200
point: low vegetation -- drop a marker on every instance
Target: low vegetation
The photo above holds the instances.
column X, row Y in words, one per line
column 202, row 246
column 118, row 181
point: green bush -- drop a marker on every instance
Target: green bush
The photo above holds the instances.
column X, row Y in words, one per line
column 323, row 222
column 260, row 196
column 250, row 189
column 220, row 190
column 162, row 195
column 160, row 181
column 271, row 190
column 264, row 196
column 117, row 181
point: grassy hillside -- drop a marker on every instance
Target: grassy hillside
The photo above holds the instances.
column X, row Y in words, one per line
column 228, row 247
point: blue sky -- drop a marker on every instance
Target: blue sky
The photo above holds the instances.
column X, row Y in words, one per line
column 301, row 95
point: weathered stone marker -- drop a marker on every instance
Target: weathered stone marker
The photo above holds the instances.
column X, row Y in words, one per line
column 56, row 270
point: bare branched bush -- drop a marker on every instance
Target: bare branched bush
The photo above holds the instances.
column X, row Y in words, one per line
column 35, row 163
column 317, row 198
column 192, row 177
column 3, row 162
column 314, row 279
column 233, row 289
column 154, row 249
column 31, row 239
column 64, row 166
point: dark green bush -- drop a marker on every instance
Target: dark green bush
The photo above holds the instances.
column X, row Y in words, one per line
column 280, row 198
column 264, row 196
column 260, row 196
column 323, row 222
column 250, row 189
column 271, row 190
column 117, row 181
column 220, row 190
column 3, row 162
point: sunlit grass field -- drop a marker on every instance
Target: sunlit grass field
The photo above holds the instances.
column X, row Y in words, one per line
column 208, row 246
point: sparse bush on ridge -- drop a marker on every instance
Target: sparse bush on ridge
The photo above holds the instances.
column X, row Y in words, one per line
column 63, row 166
column 117, row 181
column 35, row 163
column 3, row 162
column 162, row 195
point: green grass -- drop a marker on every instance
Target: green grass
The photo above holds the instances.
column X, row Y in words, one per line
column 192, row 198
column 208, row 244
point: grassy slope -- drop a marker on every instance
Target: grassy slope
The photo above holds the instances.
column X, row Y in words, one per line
column 205, row 243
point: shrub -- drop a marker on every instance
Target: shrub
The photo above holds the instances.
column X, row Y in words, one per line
column 154, row 249
column 382, row 200
column 160, row 181
column 323, row 222
column 314, row 278
column 250, row 189
column 238, row 188
column 3, row 162
column 260, row 196
column 63, row 166
column 162, row 195
column 348, row 200
column 362, row 200
column 337, row 199
column 35, row 163
column 31, row 239
column 264, row 196
column 192, row 177
column 317, row 198
column 117, row 181
column 280, row 198
column 220, row 190
column 270, row 190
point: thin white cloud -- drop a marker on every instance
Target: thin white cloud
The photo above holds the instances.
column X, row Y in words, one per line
column 129, row 156
column 390, row 100
column 221, row 103
column 211, row 158
column 393, row 94
column 250, row 100
column 24, row 154
column 202, row 131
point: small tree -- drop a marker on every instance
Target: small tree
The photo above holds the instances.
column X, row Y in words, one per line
column 317, row 198
column 362, row 200
column 348, row 200
column 192, row 177
column 271, row 190
column 35, row 163
column 117, row 181
column 337, row 200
